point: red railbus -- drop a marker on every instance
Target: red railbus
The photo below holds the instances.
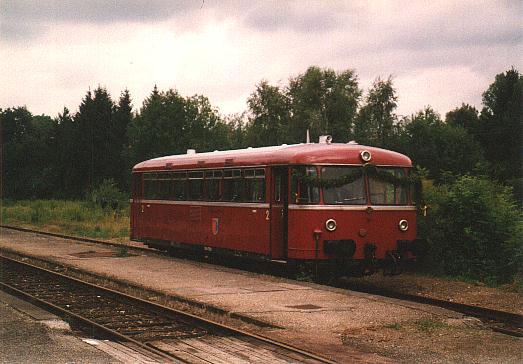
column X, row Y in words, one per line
column 347, row 208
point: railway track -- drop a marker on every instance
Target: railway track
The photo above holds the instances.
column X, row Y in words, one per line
column 500, row 321
column 79, row 238
column 167, row 335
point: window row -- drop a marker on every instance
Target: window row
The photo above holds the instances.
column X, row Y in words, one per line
column 241, row 185
column 340, row 185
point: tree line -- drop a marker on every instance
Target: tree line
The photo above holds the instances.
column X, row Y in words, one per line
column 471, row 159
column 67, row 156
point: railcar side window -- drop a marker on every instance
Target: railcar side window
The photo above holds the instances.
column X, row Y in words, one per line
column 213, row 181
column 302, row 189
column 254, row 185
column 164, row 186
column 179, row 184
column 343, row 185
column 386, row 193
column 136, row 182
column 232, row 185
column 195, row 185
column 277, row 188
column 150, row 186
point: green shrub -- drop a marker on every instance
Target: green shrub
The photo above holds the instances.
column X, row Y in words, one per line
column 107, row 196
column 474, row 230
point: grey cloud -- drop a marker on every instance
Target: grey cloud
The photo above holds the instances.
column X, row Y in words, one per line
column 453, row 33
column 95, row 11
column 301, row 16
column 481, row 26
column 440, row 37
column 26, row 19
column 12, row 31
column 273, row 21
column 481, row 59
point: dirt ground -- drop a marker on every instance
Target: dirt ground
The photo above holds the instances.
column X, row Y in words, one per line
column 433, row 340
column 504, row 298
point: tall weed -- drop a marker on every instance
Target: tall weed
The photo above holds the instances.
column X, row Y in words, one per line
column 69, row 217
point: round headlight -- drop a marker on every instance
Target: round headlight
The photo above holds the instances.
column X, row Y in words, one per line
column 365, row 156
column 403, row 225
column 330, row 224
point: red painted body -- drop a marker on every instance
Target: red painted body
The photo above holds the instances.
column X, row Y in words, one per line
column 381, row 229
column 275, row 227
column 193, row 224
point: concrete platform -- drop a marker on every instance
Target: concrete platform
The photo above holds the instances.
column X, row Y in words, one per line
column 31, row 335
column 309, row 315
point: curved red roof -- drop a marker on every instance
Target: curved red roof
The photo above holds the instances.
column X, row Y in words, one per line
column 322, row 153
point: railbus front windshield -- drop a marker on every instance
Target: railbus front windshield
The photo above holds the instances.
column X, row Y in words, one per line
column 345, row 185
column 386, row 193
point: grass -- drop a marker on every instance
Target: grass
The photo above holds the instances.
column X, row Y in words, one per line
column 395, row 326
column 68, row 217
column 428, row 325
column 123, row 252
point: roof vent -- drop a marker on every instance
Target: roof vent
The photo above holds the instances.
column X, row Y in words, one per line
column 353, row 142
column 325, row 139
column 191, row 151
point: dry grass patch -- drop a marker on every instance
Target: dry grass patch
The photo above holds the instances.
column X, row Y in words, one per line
column 68, row 217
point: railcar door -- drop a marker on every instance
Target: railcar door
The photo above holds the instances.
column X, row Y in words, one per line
column 136, row 197
column 279, row 211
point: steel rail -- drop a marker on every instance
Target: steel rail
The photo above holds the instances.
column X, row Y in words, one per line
column 81, row 238
column 107, row 331
column 155, row 306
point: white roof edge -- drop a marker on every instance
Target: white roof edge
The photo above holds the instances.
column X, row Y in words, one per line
column 249, row 150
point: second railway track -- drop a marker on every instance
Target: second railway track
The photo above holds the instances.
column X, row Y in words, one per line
column 168, row 335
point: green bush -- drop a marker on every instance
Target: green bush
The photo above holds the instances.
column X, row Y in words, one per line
column 107, row 196
column 474, row 230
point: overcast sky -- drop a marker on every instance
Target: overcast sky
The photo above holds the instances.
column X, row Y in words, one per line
column 440, row 53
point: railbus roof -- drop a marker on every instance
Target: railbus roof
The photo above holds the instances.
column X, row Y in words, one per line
column 311, row 153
